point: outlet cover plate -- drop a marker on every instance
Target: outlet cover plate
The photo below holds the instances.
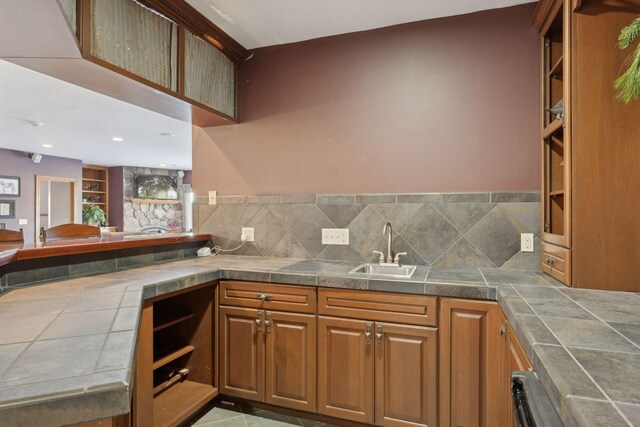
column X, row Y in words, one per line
column 23, row 221
column 526, row 242
column 247, row 234
column 213, row 197
column 335, row 236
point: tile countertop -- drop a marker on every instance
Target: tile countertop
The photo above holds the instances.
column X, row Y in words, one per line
column 67, row 347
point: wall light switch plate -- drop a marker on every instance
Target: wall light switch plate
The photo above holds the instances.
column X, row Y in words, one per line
column 335, row 236
column 526, row 242
column 213, row 197
column 23, row 221
column 247, row 234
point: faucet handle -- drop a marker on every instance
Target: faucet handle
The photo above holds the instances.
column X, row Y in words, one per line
column 396, row 259
column 381, row 256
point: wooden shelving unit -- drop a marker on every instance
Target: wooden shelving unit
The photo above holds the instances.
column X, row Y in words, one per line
column 555, row 140
column 95, row 187
column 175, row 374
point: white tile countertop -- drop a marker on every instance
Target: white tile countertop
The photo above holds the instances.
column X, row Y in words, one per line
column 67, row 347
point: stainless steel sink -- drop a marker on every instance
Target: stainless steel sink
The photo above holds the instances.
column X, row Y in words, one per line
column 403, row 271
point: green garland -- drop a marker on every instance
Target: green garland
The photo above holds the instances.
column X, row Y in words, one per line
column 628, row 84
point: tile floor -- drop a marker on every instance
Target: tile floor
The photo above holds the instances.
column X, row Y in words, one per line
column 226, row 415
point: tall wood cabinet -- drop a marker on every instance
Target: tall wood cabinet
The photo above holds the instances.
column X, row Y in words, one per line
column 590, row 231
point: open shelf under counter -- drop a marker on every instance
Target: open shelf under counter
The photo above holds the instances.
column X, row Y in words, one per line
column 170, row 356
column 180, row 402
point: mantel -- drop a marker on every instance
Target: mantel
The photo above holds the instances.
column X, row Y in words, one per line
column 156, row 201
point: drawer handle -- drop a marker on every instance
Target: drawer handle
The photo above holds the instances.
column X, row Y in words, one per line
column 265, row 297
column 502, row 331
column 259, row 322
column 379, row 335
column 267, row 323
column 550, row 262
column 367, row 334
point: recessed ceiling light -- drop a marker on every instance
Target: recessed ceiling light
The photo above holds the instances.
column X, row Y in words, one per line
column 163, row 165
column 36, row 124
column 117, row 139
column 167, row 134
column 47, row 145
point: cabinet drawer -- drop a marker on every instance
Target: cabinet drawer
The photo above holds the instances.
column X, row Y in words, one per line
column 381, row 306
column 297, row 299
column 556, row 262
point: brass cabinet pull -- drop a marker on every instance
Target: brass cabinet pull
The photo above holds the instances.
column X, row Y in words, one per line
column 550, row 262
column 259, row 321
column 502, row 331
column 379, row 334
column 367, row 333
column 267, row 323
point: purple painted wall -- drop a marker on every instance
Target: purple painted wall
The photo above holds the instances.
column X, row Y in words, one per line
column 17, row 163
column 449, row 104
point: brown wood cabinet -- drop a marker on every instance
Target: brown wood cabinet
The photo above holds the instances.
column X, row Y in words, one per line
column 265, row 355
column 406, row 372
column 291, row 360
column 241, row 353
column 380, row 367
column 345, row 369
column 470, row 363
column 590, row 154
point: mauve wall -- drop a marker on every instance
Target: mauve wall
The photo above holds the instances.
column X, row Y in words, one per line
column 443, row 105
column 17, row 163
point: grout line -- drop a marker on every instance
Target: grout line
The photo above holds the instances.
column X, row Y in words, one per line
column 597, row 317
column 624, row 417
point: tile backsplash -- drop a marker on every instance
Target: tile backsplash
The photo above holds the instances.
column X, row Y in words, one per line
column 440, row 229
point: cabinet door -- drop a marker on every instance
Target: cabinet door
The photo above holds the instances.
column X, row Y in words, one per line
column 242, row 353
column 291, row 360
column 469, row 363
column 406, row 375
column 345, row 369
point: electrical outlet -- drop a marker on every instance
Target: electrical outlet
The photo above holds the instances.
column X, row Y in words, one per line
column 23, row 221
column 335, row 236
column 247, row 234
column 526, row 242
column 213, row 197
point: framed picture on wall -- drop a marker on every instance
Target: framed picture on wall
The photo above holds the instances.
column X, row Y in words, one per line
column 7, row 209
column 9, row 186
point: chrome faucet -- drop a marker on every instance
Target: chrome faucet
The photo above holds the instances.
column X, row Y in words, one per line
column 390, row 259
column 388, row 230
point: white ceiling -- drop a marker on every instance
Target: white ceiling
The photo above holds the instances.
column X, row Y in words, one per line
column 259, row 23
column 80, row 124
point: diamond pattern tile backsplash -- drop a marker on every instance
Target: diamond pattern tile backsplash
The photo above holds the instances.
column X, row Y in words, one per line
column 440, row 229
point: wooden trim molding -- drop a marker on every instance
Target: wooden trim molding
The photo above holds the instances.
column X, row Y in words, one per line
column 186, row 15
column 544, row 13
